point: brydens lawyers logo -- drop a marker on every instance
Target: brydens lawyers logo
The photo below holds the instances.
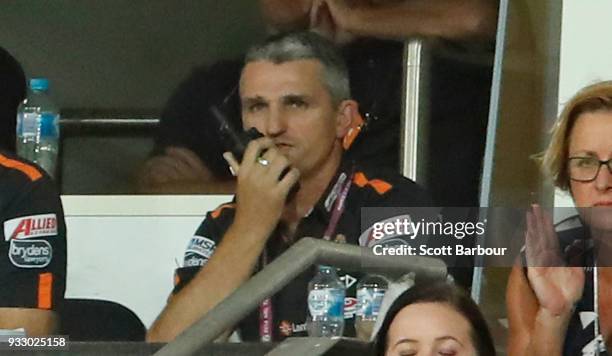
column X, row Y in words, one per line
column 30, row 226
column 30, row 253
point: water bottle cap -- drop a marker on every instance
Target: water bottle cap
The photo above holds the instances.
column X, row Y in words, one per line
column 41, row 84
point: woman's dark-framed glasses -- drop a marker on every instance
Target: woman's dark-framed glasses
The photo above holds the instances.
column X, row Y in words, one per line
column 586, row 169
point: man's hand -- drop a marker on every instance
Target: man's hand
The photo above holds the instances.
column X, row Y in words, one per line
column 556, row 287
column 261, row 193
column 343, row 20
column 177, row 164
column 180, row 171
column 338, row 11
column 261, row 198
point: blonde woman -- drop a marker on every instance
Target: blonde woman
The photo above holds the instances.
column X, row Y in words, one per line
column 559, row 305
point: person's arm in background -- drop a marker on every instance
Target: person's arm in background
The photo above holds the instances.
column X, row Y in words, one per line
column 236, row 256
column 286, row 15
column 36, row 322
column 540, row 302
column 31, row 215
column 180, row 171
column 400, row 19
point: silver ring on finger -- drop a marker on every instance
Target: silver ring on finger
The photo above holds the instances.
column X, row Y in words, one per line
column 264, row 162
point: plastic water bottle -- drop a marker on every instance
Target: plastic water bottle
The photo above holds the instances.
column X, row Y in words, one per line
column 326, row 304
column 370, row 293
column 38, row 127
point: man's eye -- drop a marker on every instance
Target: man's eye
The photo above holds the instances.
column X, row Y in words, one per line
column 256, row 107
column 297, row 103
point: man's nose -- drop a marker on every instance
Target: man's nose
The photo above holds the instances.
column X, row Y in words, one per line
column 603, row 181
column 276, row 123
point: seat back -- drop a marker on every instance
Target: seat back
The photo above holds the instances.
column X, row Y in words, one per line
column 99, row 320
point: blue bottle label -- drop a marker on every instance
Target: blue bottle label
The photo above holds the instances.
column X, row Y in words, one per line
column 327, row 301
column 369, row 301
column 48, row 125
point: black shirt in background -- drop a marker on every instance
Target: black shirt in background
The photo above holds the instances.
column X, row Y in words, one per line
column 32, row 237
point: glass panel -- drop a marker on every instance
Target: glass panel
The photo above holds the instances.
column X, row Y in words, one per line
column 116, row 59
column 524, row 100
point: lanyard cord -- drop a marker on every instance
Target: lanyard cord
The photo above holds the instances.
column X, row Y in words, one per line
column 266, row 317
column 338, row 209
column 598, row 340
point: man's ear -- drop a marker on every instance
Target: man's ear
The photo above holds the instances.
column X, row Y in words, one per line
column 347, row 117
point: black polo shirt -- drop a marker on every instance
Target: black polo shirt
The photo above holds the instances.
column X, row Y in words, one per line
column 368, row 189
column 32, row 237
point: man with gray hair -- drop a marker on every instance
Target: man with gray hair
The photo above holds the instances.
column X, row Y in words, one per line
column 305, row 45
column 294, row 89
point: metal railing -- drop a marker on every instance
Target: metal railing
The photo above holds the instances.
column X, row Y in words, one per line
column 108, row 125
column 414, row 115
column 303, row 254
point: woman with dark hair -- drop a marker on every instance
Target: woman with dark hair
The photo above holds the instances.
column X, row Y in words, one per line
column 434, row 319
column 12, row 92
